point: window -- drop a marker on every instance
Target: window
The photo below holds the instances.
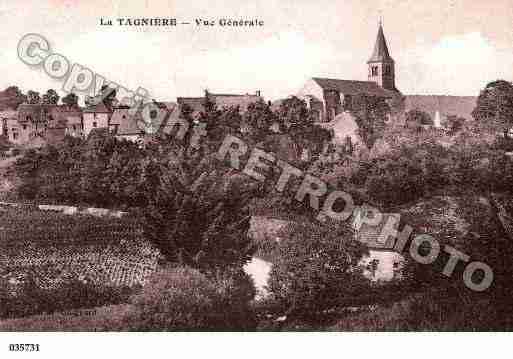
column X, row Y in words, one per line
column 153, row 114
column 29, row 118
column 95, row 124
column 24, row 127
column 348, row 146
column 74, row 127
column 348, row 102
column 374, row 71
column 388, row 70
column 14, row 135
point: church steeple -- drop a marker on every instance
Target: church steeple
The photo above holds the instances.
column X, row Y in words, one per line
column 381, row 65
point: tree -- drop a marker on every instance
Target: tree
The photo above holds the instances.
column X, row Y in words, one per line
column 12, row 97
column 298, row 121
column 258, row 120
column 33, row 97
column 108, row 96
column 70, row 100
column 455, row 124
column 394, row 180
column 316, row 268
column 50, row 97
column 197, row 212
column 416, row 118
column 294, row 114
column 495, row 104
column 370, row 113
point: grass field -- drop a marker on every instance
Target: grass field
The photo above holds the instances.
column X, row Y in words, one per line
column 91, row 320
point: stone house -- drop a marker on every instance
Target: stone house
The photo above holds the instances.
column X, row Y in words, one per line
column 96, row 116
column 9, row 125
column 382, row 263
column 50, row 122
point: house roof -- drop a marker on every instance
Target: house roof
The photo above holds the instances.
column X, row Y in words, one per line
column 195, row 103
column 100, row 107
column 461, row 106
column 380, row 53
column 370, row 234
column 351, row 87
column 243, row 101
column 133, row 124
column 127, row 124
column 221, row 100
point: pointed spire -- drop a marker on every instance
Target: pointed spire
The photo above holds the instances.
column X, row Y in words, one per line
column 380, row 52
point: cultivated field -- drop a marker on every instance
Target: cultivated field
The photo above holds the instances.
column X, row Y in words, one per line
column 104, row 251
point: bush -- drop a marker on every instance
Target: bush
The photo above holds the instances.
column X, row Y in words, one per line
column 316, row 268
column 31, row 299
column 395, row 181
column 184, row 299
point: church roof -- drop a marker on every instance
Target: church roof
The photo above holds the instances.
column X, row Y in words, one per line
column 350, row 87
column 380, row 52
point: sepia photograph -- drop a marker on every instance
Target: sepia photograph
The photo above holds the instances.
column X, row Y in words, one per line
column 332, row 169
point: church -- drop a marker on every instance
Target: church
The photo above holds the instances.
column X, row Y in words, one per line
column 329, row 97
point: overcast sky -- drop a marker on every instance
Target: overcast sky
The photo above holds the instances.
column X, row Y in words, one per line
column 440, row 46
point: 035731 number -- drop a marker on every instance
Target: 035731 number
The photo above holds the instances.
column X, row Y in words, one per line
column 23, row 347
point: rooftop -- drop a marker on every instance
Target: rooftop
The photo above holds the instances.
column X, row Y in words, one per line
column 351, row 87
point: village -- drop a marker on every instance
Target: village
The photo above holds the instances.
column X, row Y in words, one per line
column 123, row 200
column 35, row 120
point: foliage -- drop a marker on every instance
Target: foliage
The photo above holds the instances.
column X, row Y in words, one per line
column 416, row 118
column 393, row 180
column 370, row 114
column 316, row 268
column 50, row 97
column 427, row 311
column 258, row 120
column 197, row 210
column 33, row 97
column 184, row 299
column 108, row 96
column 70, row 99
column 30, row 298
column 495, row 104
column 13, row 97
column 454, row 124
column 101, row 170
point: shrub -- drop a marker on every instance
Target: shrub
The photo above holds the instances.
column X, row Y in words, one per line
column 184, row 299
column 395, row 181
column 198, row 214
column 30, row 298
column 316, row 268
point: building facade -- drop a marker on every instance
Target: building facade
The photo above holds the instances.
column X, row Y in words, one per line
column 329, row 97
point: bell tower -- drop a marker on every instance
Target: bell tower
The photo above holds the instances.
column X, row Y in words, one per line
column 381, row 65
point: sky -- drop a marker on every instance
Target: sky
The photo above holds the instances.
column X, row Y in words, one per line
column 452, row 47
